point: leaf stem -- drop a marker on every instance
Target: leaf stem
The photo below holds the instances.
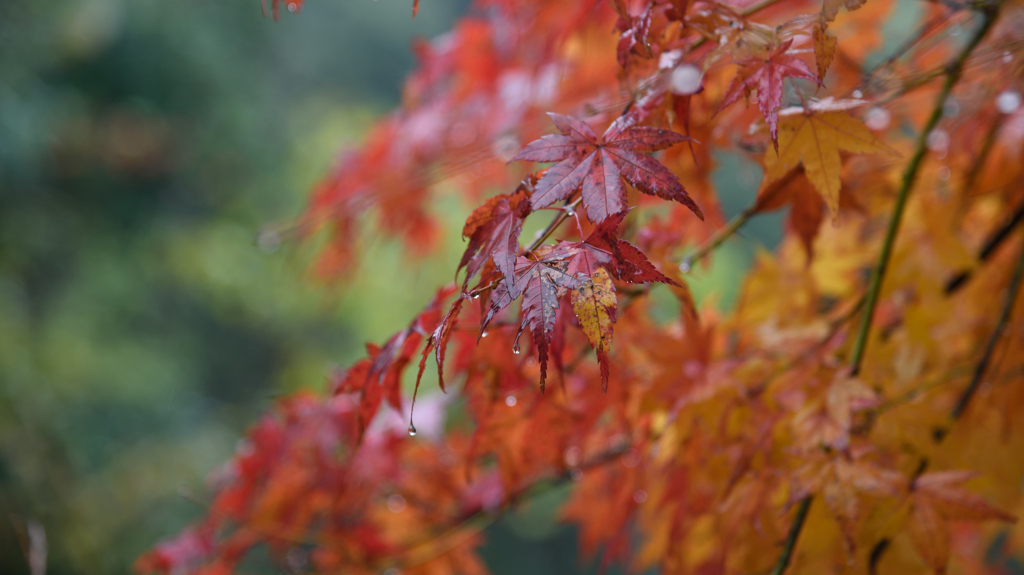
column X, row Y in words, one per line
column 909, row 176
column 794, row 534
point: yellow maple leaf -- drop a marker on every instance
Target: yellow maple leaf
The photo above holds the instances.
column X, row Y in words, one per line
column 595, row 306
column 814, row 137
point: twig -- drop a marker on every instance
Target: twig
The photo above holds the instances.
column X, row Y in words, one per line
column 989, row 247
column 909, row 176
column 794, row 534
column 990, row 346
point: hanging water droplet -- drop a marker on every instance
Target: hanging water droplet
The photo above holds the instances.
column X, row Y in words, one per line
column 476, row 296
column 515, row 348
column 412, row 429
column 684, row 266
column 576, row 474
column 510, row 401
column 569, row 211
column 292, row 6
column 484, row 334
column 858, row 94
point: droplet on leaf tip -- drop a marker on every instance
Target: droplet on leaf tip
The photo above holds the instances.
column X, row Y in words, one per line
column 515, row 349
column 484, row 334
column 476, row 296
column 412, row 429
column 858, row 94
column 569, row 211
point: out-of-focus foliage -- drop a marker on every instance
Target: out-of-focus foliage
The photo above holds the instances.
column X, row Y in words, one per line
column 144, row 321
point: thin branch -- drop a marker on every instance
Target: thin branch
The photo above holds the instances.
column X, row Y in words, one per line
column 988, row 248
column 993, row 340
column 909, row 176
column 794, row 534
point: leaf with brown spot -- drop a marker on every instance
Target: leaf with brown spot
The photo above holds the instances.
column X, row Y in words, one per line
column 595, row 305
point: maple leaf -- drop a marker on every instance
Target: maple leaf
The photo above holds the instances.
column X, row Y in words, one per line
column 595, row 305
column 937, row 498
column 814, row 137
column 622, row 259
column 541, row 282
column 825, row 45
column 766, row 75
column 493, row 230
column 600, row 164
column 634, row 31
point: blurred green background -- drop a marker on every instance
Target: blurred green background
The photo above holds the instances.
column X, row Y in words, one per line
column 143, row 146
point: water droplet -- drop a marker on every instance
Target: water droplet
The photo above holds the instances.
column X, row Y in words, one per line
column 1008, row 102
column 858, row 94
column 576, row 474
column 1007, row 57
column 484, row 334
column 569, row 211
column 686, row 79
column 573, row 456
column 268, row 241
column 515, row 349
column 684, row 266
column 944, row 173
column 877, row 118
column 938, row 142
column 396, row 503
column 510, row 401
column 412, row 429
column 640, row 496
column 476, row 296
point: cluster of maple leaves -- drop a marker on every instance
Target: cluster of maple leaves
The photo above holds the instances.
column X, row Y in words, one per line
column 856, row 411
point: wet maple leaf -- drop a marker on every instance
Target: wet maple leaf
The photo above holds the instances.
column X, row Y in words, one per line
column 766, row 75
column 813, row 137
column 595, row 305
column 622, row 259
column 541, row 282
column 600, row 164
column 493, row 230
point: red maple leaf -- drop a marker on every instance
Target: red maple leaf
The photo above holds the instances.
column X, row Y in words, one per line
column 541, row 282
column 600, row 164
column 493, row 230
column 766, row 75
